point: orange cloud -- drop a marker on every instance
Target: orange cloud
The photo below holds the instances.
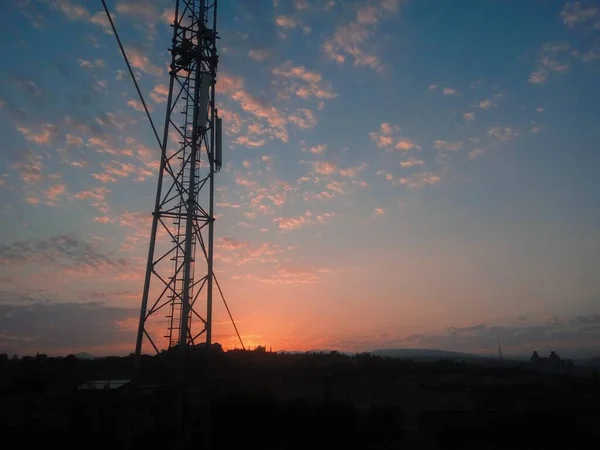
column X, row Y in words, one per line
column 318, row 149
column 286, row 22
column 387, row 136
column 159, row 93
column 138, row 106
column 140, row 61
column 303, row 118
column 44, row 137
column 324, row 167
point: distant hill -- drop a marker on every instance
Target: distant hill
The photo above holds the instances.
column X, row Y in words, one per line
column 84, row 355
column 430, row 354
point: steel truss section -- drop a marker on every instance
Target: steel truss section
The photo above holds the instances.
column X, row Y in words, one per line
column 177, row 293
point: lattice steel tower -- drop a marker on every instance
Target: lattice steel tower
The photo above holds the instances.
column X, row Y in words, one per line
column 178, row 285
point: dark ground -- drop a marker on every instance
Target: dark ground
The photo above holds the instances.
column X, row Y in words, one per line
column 264, row 400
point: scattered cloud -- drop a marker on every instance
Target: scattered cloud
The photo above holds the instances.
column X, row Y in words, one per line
column 486, row 104
column 140, row 61
column 502, row 133
column 61, row 250
column 138, row 106
column 388, row 137
column 259, row 54
column 576, row 14
column 553, row 59
column 303, row 83
column 318, row 149
column 86, row 64
column 352, row 40
column 447, row 145
column 159, row 93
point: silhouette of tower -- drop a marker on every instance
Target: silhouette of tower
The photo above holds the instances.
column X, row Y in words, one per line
column 499, row 349
column 178, row 284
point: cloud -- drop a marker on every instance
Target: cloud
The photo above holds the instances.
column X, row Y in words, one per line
column 412, row 162
column 303, row 118
column 419, row 180
column 258, row 54
column 286, row 22
column 232, row 250
column 446, row 145
column 502, row 133
column 388, row 136
column 29, row 166
column 140, row 61
column 477, row 152
column 292, row 223
column 60, row 250
column 54, row 193
column 553, row 59
column 468, row 116
column 450, row 91
column 284, row 276
column 160, row 93
column 138, row 106
column 312, row 86
column 571, row 337
column 574, row 14
column 61, row 328
column 324, row 167
column 46, row 136
column 486, row 104
column 352, row 40
column 379, row 211
column 248, row 142
column 318, row 149
column 75, row 11
column 91, row 64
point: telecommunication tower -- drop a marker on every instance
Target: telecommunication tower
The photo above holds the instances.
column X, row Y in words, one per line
column 178, row 285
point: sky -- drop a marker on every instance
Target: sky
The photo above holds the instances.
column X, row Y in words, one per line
column 397, row 174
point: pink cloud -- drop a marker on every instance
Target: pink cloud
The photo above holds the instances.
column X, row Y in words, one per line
column 137, row 105
column 104, row 177
column 318, row 149
column 303, row 118
column 140, row 61
column 248, row 142
column 159, row 93
column 44, row 137
column 291, row 223
column 324, row 167
column 286, row 22
column 388, row 136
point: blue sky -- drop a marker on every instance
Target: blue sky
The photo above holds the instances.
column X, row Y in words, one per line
column 415, row 173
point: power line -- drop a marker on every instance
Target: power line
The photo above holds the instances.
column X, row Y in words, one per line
column 228, row 312
column 131, row 73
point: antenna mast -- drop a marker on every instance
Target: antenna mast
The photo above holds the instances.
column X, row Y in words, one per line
column 178, row 286
column 499, row 349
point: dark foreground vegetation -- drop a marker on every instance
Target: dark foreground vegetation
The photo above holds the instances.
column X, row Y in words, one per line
column 262, row 400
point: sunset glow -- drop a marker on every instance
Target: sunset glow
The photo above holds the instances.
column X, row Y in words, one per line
column 397, row 174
